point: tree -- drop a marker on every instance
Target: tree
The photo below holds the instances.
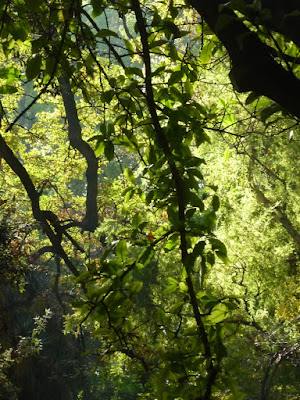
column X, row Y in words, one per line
column 120, row 83
column 255, row 40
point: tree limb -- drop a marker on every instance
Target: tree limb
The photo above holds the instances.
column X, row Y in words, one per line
column 163, row 143
column 253, row 67
column 277, row 15
column 90, row 221
column 277, row 211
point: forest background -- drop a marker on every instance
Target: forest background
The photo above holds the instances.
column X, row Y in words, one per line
column 149, row 227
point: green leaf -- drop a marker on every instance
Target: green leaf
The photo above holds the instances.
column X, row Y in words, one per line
column 99, row 148
column 208, row 220
column 129, row 47
column 226, row 154
column 8, row 89
column 206, row 52
column 110, row 128
column 136, row 220
column 176, row 76
column 189, row 263
column 267, row 112
column 208, row 259
column 97, row 7
column 218, row 314
column 191, row 331
column 86, row 95
column 146, row 256
column 173, row 216
column 10, row 74
column 129, row 175
column 223, row 257
column 194, row 200
column 158, row 70
column 130, row 71
column 107, row 96
column 33, row 67
column 136, row 287
column 172, row 52
column 177, row 307
column 198, row 249
column 216, row 244
column 96, row 137
column 170, row 27
column 50, row 65
column 121, row 250
column 195, row 172
column 145, row 223
column 215, row 203
column 172, row 281
column 109, row 150
column 195, row 162
column 253, row 96
column 102, row 33
column 129, row 194
column 170, row 289
column 172, row 243
column 161, row 316
column 83, row 277
column 190, row 212
column 19, row 29
column 201, row 136
column 189, row 88
column 183, row 287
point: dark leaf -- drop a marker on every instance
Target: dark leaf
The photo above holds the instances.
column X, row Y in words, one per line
column 33, row 67
column 109, row 150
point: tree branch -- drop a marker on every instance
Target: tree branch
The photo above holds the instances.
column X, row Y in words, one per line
column 277, row 211
column 282, row 17
column 90, row 221
column 253, row 67
column 163, row 142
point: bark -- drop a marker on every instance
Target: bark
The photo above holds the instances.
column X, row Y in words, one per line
column 279, row 16
column 277, row 211
column 47, row 219
column 253, row 67
column 90, row 221
column 212, row 366
column 279, row 215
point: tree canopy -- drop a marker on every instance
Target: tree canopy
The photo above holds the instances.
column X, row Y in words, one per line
column 150, row 196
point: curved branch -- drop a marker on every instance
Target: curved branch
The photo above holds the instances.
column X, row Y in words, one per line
column 7, row 154
column 253, row 67
column 90, row 221
column 41, row 216
column 43, row 250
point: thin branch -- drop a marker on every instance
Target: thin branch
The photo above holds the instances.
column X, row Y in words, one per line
column 163, row 142
column 277, row 211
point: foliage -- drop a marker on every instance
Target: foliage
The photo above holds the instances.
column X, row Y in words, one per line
column 171, row 199
column 26, row 347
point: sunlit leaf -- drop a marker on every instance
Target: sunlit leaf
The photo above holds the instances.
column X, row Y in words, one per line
column 121, row 250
